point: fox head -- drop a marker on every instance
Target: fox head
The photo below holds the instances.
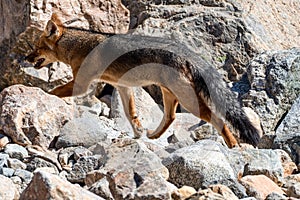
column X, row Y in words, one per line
column 44, row 51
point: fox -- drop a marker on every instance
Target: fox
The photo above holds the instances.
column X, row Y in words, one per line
column 133, row 60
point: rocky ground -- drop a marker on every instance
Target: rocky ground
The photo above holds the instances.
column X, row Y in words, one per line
column 81, row 148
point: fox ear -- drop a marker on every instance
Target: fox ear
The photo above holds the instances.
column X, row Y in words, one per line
column 53, row 31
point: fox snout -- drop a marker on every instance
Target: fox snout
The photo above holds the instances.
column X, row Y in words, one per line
column 31, row 57
column 34, row 58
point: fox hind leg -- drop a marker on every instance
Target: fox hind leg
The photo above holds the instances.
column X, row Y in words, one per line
column 207, row 115
column 170, row 104
column 127, row 98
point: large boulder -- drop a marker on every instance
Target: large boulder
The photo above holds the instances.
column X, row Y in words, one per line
column 288, row 133
column 30, row 116
column 47, row 186
column 274, row 86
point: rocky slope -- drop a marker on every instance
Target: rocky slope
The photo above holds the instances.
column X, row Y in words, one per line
column 81, row 148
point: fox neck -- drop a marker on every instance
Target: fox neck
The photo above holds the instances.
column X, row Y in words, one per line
column 75, row 45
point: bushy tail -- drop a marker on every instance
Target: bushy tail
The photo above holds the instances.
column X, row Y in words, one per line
column 239, row 120
column 211, row 86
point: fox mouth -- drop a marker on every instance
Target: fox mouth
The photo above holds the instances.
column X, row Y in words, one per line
column 39, row 62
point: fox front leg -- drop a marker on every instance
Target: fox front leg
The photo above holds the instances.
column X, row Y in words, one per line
column 130, row 110
column 170, row 104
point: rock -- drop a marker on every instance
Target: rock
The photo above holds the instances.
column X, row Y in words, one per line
column 8, row 190
column 85, row 130
column 265, row 162
column 16, row 164
column 50, row 170
column 183, row 128
column 148, row 112
column 36, row 163
column 274, row 86
column 3, row 141
column 24, row 123
column 228, row 33
column 207, row 162
column 25, row 175
column 289, row 167
column 288, row 133
column 224, row 191
column 183, row 193
column 84, row 165
column 101, row 188
column 8, row 172
column 133, row 172
column 259, row 186
column 21, row 31
column 16, row 151
column 3, row 160
column 294, row 190
column 48, row 186
column 276, row 196
column 200, row 165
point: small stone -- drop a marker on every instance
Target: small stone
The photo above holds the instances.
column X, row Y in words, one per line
column 16, row 164
column 183, row 192
column 276, row 196
column 101, row 188
column 25, row 175
column 16, row 180
column 16, row 151
column 3, row 160
column 4, row 140
column 8, row 172
column 80, row 152
column 50, row 170
column 224, row 191
column 294, row 190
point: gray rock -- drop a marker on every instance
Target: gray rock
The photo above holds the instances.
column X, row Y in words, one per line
column 227, row 33
column 25, row 175
column 3, row 160
column 85, row 130
column 288, row 133
column 24, row 123
column 274, row 85
column 16, row 151
column 148, row 112
column 8, row 172
column 201, row 165
column 266, row 162
column 81, row 152
column 294, row 190
column 37, row 162
column 133, row 172
column 276, row 196
column 84, row 165
column 16, row 164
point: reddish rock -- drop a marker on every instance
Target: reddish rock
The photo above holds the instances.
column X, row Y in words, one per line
column 28, row 115
column 260, row 186
column 48, row 186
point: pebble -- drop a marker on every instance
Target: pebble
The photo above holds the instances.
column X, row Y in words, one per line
column 16, row 151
